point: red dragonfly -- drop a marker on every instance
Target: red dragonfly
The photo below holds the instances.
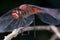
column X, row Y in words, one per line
column 23, row 16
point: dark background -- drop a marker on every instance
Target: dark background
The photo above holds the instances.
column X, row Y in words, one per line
column 6, row 5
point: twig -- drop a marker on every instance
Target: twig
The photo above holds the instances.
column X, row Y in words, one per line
column 55, row 30
column 17, row 31
column 54, row 37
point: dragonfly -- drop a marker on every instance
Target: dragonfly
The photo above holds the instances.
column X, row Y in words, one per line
column 23, row 16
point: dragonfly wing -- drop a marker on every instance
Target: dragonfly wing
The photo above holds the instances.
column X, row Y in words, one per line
column 5, row 20
column 49, row 16
column 46, row 18
column 22, row 22
column 8, row 23
column 28, row 20
column 58, row 14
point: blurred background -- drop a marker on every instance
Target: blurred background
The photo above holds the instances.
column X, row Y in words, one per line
column 6, row 5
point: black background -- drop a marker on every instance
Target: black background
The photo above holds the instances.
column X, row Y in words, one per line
column 6, row 5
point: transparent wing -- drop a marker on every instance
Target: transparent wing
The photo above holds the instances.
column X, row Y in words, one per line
column 23, row 22
column 46, row 18
column 52, row 16
column 49, row 16
column 7, row 23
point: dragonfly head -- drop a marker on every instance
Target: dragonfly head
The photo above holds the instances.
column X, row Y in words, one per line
column 16, row 13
